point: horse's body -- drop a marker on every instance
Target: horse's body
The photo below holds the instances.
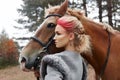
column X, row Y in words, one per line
column 100, row 42
column 99, row 34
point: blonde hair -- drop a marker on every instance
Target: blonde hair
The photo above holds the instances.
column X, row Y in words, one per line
column 81, row 41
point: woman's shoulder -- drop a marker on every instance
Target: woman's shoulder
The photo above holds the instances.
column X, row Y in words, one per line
column 68, row 54
column 56, row 62
column 52, row 59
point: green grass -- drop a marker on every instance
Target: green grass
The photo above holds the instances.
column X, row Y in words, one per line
column 5, row 63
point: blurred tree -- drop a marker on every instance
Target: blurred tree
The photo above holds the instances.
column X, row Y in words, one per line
column 109, row 9
column 33, row 12
column 84, row 6
column 116, row 13
column 112, row 7
column 8, row 50
column 12, row 51
column 99, row 3
column 3, row 39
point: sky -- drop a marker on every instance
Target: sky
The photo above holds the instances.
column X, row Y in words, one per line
column 8, row 15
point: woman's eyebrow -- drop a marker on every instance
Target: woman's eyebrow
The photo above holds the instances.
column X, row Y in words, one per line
column 57, row 32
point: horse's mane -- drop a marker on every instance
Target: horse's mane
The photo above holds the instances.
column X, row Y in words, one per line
column 109, row 28
column 81, row 16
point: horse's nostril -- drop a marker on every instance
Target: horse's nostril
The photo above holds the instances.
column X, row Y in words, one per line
column 23, row 59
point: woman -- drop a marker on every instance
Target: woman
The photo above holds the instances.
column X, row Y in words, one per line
column 67, row 65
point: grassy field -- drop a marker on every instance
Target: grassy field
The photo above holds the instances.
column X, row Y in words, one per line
column 14, row 73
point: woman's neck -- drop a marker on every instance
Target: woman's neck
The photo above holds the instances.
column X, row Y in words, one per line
column 70, row 48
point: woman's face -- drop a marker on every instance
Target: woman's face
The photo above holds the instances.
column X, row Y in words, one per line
column 62, row 37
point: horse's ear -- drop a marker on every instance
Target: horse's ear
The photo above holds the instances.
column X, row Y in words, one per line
column 49, row 6
column 63, row 8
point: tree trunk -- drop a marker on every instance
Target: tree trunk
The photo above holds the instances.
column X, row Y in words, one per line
column 109, row 9
column 100, row 9
column 84, row 6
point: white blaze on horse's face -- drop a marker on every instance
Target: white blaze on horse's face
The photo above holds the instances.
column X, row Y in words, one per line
column 33, row 48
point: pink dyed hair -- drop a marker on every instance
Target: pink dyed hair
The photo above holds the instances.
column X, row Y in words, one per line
column 66, row 24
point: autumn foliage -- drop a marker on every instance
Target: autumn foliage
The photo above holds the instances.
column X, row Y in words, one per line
column 8, row 50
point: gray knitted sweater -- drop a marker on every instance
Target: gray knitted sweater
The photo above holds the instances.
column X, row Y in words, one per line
column 66, row 65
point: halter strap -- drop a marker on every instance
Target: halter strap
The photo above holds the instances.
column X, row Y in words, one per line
column 107, row 57
column 45, row 48
column 44, row 45
column 37, row 40
column 58, row 15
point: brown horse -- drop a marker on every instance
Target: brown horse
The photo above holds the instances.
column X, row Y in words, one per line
column 40, row 41
column 105, row 43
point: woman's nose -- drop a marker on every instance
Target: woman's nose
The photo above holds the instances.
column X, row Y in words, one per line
column 54, row 37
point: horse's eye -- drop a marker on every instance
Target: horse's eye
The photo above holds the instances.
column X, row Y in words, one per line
column 51, row 25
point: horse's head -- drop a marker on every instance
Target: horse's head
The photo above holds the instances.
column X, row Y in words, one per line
column 43, row 38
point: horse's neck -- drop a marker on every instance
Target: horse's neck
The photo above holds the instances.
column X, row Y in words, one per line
column 99, row 43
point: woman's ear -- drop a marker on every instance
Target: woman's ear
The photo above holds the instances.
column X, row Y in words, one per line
column 71, row 36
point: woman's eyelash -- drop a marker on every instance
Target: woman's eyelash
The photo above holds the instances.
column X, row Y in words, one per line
column 57, row 33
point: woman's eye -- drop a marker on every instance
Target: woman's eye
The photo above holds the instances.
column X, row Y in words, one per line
column 51, row 25
column 57, row 33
